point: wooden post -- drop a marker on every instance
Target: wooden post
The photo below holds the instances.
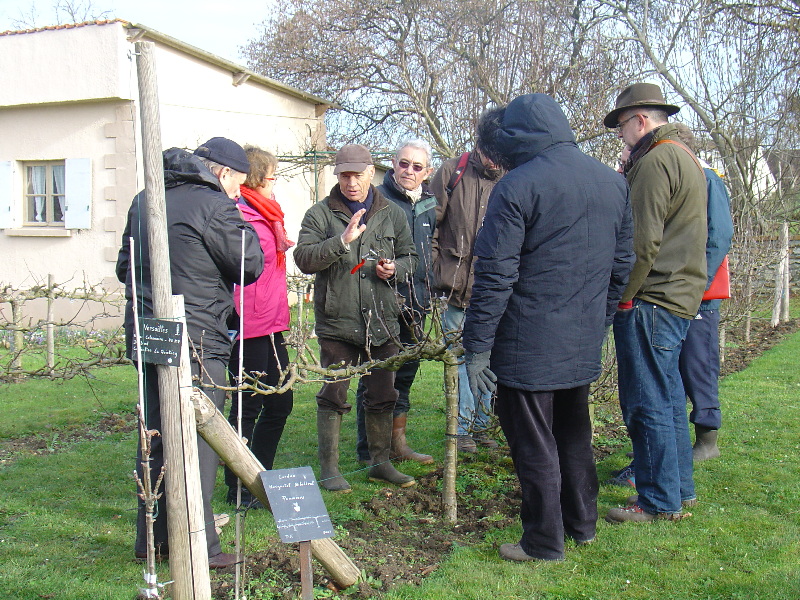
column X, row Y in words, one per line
column 51, row 342
column 306, row 574
column 191, row 580
column 449, row 499
column 215, row 429
column 786, row 273
column 18, row 340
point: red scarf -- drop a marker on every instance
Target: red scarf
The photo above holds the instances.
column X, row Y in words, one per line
column 271, row 211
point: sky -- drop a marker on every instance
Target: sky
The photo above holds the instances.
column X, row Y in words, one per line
column 216, row 26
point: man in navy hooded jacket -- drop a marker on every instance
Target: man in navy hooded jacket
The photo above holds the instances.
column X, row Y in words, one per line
column 553, row 257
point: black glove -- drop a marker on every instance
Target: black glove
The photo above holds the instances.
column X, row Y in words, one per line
column 482, row 381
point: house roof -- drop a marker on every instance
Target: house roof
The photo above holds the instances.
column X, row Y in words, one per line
column 139, row 32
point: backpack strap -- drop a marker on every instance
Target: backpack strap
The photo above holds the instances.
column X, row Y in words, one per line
column 694, row 158
column 457, row 174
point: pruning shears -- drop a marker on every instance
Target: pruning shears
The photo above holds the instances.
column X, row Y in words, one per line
column 370, row 255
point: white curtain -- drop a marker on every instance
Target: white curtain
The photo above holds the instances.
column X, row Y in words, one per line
column 58, row 192
column 36, row 188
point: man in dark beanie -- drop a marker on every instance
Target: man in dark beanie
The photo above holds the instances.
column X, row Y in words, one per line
column 668, row 198
column 205, row 231
column 551, row 261
column 359, row 246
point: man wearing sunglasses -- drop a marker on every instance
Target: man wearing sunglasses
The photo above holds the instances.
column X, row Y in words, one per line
column 404, row 184
column 668, row 197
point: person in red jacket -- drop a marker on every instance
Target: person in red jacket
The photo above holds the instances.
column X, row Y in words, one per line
column 266, row 317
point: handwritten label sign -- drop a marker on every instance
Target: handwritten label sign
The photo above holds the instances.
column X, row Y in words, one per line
column 161, row 341
column 300, row 514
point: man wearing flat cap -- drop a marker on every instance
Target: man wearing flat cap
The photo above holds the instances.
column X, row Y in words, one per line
column 668, row 198
column 359, row 246
column 205, row 231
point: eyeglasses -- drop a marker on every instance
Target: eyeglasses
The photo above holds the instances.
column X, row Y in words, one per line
column 621, row 123
column 404, row 164
column 274, row 178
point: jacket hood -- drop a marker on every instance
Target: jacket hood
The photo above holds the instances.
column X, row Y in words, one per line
column 531, row 124
column 181, row 166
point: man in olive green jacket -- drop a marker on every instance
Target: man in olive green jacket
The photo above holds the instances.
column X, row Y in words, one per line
column 359, row 245
column 668, row 198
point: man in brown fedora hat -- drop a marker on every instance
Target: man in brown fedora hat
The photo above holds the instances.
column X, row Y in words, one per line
column 668, row 198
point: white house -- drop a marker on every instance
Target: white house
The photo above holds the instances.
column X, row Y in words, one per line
column 70, row 138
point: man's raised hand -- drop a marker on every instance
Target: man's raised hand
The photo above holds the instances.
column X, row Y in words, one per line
column 354, row 230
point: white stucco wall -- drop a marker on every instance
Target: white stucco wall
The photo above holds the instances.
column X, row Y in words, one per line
column 55, row 133
column 63, row 65
column 88, row 108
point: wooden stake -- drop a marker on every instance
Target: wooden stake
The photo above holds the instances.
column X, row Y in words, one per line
column 306, row 574
column 188, row 564
column 215, row 429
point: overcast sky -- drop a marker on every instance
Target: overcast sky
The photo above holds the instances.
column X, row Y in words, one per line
column 219, row 27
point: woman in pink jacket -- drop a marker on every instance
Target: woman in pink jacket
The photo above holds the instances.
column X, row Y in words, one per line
column 266, row 317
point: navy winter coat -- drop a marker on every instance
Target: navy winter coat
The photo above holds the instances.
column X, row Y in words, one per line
column 422, row 220
column 553, row 255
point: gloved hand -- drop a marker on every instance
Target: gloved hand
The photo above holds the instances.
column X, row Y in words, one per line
column 482, row 381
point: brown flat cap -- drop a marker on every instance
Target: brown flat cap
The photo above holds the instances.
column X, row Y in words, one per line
column 639, row 94
column 352, row 158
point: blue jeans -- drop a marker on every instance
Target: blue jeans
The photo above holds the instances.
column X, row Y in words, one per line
column 473, row 415
column 648, row 339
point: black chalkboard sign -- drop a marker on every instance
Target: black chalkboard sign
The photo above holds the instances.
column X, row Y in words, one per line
column 161, row 341
column 296, row 503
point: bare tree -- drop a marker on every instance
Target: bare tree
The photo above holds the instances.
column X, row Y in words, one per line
column 64, row 11
column 430, row 68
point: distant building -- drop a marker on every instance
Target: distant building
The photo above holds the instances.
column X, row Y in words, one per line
column 70, row 159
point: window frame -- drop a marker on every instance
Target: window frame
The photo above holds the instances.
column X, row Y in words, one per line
column 50, row 195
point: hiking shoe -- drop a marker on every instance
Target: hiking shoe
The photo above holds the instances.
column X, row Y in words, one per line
column 483, row 439
column 465, row 443
column 625, row 477
column 515, row 553
column 685, row 503
column 633, row 513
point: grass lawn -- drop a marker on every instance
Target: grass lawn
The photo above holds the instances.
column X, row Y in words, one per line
column 67, row 510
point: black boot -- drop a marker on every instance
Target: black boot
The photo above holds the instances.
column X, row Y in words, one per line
column 705, row 444
column 329, row 422
column 379, row 438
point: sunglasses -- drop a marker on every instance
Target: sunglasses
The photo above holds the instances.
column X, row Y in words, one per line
column 404, row 164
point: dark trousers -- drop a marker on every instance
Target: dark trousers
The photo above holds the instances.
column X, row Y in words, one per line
column 263, row 416
column 699, row 367
column 213, row 371
column 379, row 392
column 410, row 334
column 550, row 436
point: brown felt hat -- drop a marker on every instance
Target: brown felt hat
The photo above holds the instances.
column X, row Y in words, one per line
column 352, row 158
column 639, row 94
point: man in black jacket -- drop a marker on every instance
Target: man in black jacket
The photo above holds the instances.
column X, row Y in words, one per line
column 552, row 260
column 205, row 232
column 404, row 184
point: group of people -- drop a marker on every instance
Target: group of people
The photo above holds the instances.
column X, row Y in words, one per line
column 568, row 248
column 536, row 248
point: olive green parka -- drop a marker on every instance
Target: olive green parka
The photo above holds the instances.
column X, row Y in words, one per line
column 355, row 305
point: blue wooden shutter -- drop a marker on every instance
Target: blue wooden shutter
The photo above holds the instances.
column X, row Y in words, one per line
column 78, row 192
column 6, row 194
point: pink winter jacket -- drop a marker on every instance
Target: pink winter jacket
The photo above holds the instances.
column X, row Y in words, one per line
column 266, row 307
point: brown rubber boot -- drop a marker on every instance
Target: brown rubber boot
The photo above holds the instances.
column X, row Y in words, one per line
column 705, row 444
column 400, row 449
column 329, row 422
column 379, row 439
